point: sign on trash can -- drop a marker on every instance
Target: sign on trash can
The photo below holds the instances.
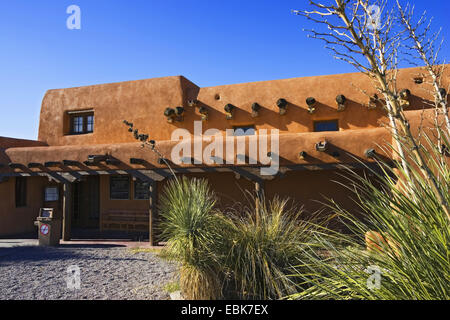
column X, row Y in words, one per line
column 49, row 228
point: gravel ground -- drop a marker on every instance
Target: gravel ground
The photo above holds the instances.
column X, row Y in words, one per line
column 106, row 272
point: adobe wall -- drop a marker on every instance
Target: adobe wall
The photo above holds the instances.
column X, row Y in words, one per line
column 139, row 101
column 20, row 220
column 6, row 142
column 143, row 102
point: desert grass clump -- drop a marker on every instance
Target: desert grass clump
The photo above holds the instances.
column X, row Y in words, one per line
column 199, row 283
column 189, row 225
column 400, row 250
column 265, row 244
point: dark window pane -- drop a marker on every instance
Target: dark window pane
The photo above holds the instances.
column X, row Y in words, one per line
column 326, row 126
column 51, row 194
column 77, row 124
column 21, row 192
column 141, row 190
column 90, row 124
column 119, row 187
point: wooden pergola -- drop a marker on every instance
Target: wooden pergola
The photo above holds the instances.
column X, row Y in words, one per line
column 251, row 173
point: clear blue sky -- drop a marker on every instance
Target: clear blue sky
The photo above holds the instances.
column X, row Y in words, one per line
column 210, row 42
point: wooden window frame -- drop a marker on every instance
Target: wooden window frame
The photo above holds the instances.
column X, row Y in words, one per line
column 135, row 182
column 84, row 116
column 111, row 186
column 45, row 193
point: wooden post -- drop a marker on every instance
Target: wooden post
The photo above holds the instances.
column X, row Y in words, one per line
column 67, row 212
column 152, row 211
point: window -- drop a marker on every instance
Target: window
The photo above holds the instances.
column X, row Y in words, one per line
column 77, row 125
column 244, row 131
column 21, row 192
column 81, row 122
column 90, row 123
column 119, row 187
column 141, row 190
column 51, row 194
column 331, row 125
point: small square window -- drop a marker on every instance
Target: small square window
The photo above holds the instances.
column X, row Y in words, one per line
column 141, row 190
column 81, row 122
column 119, row 187
column 51, row 194
column 331, row 125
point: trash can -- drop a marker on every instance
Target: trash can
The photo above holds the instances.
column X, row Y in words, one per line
column 49, row 228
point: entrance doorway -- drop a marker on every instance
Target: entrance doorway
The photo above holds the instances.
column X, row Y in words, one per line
column 86, row 203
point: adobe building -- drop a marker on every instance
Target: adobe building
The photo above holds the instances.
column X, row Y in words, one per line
column 90, row 168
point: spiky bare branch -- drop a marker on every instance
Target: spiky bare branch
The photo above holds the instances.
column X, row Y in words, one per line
column 370, row 43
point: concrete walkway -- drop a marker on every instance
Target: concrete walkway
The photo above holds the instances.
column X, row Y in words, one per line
column 12, row 243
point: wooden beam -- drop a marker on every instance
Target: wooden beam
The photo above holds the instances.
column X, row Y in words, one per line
column 112, row 161
column 152, row 211
column 70, row 163
column 67, row 212
column 137, row 161
column 57, row 177
column 71, row 177
column 34, row 165
column 90, row 163
column 97, row 158
column 52, row 164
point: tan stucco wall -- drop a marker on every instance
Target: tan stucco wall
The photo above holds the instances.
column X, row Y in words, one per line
column 112, row 103
column 143, row 102
column 20, row 220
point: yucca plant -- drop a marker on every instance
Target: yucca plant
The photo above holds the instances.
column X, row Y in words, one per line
column 193, row 232
column 405, row 228
column 265, row 244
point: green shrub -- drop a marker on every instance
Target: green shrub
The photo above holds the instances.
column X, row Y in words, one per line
column 411, row 249
column 189, row 225
column 265, row 244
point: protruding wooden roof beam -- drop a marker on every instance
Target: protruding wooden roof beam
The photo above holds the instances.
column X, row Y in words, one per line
column 97, row 158
column 112, row 161
column 34, row 165
column 137, row 161
column 71, row 163
column 13, row 165
column 52, row 164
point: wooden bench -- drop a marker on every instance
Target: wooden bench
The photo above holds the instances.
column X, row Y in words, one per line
column 124, row 220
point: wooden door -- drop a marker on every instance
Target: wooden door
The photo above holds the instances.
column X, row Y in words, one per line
column 86, row 203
